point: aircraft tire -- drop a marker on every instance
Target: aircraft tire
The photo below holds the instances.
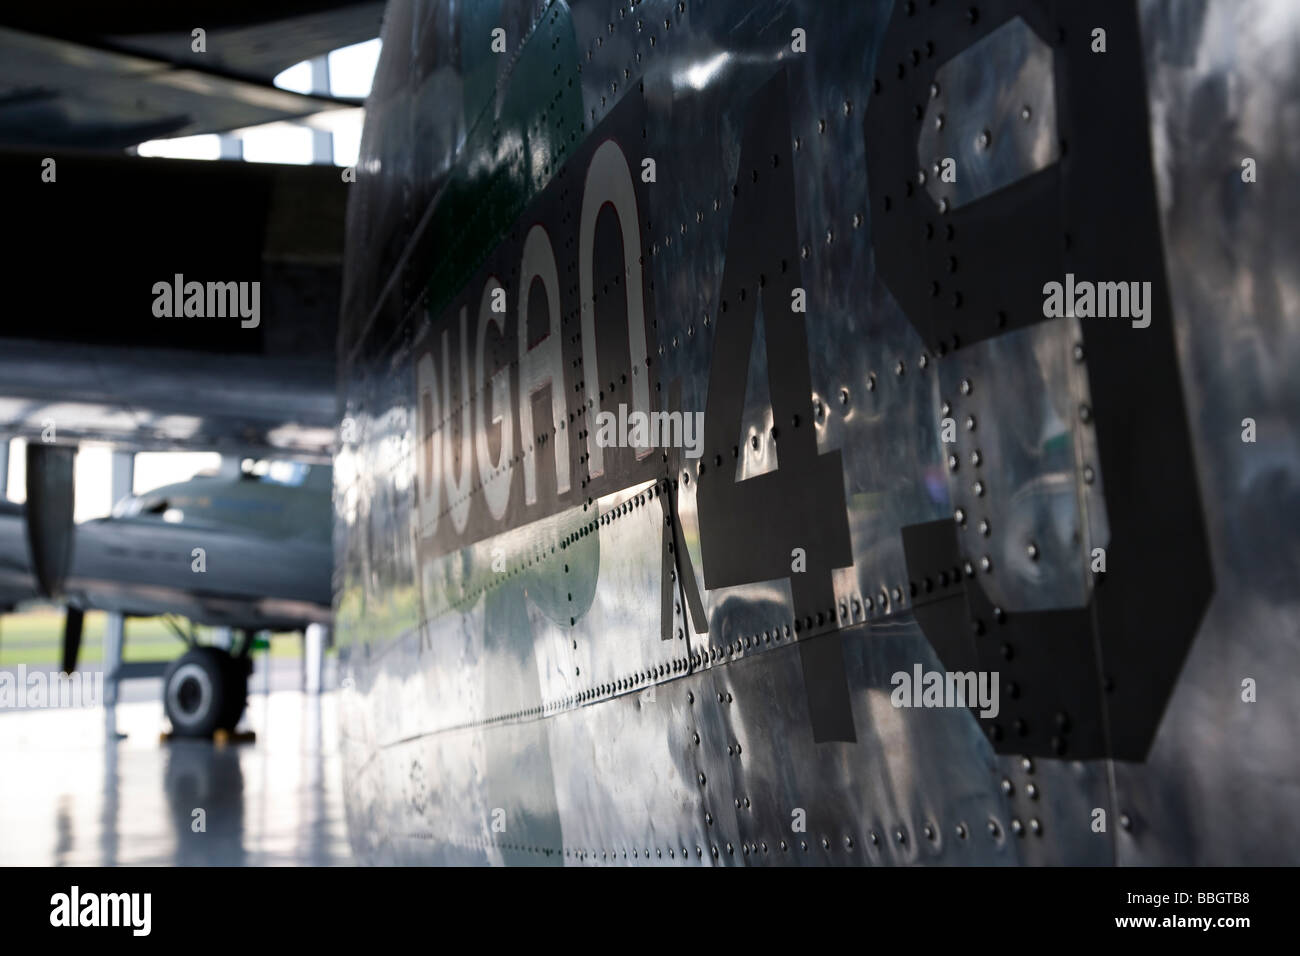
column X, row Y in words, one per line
column 197, row 692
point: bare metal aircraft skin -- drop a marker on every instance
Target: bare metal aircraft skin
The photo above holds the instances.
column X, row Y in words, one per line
column 808, row 433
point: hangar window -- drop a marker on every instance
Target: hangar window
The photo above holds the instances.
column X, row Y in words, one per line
column 277, row 472
column 330, row 136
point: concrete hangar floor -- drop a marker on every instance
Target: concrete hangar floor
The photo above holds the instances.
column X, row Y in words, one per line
column 73, row 793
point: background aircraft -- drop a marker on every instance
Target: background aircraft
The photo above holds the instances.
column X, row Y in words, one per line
column 78, row 88
column 250, row 552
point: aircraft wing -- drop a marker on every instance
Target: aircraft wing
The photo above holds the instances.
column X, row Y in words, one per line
column 107, row 82
column 83, row 355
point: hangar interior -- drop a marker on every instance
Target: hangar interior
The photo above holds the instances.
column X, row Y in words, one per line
column 332, row 532
column 166, row 546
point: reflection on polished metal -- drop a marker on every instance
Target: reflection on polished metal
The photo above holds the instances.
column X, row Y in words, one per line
column 992, row 111
column 557, row 677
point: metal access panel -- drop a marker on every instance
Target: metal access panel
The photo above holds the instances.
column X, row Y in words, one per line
column 809, row 433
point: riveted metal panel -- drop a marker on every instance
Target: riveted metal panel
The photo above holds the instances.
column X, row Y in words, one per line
column 596, row 674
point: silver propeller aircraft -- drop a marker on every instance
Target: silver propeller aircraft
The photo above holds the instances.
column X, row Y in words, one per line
column 250, row 552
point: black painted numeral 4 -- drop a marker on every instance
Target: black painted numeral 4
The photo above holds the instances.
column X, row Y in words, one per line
column 754, row 530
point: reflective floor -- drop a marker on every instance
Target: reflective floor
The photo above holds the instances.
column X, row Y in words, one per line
column 70, row 796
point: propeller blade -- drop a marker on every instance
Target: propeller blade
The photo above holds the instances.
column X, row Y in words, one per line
column 49, row 513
